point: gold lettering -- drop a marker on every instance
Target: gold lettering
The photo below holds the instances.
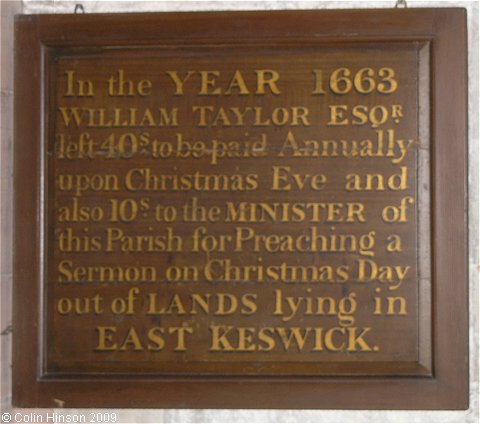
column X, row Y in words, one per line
column 179, row 81
column 237, row 82
column 267, row 78
column 208, row 82
column 105, row 338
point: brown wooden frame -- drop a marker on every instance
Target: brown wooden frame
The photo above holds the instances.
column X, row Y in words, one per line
column 443, row 30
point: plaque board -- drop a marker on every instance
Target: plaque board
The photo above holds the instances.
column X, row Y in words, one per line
column 241, row 210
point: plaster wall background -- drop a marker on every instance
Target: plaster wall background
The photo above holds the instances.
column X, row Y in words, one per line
column 9, row 8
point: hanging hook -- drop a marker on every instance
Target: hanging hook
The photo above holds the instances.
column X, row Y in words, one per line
column 79, row 8
column 401, row 4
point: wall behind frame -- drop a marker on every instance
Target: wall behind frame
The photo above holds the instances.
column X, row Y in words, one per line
column 9, row 8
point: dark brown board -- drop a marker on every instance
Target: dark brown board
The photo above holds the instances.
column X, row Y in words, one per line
column 415, row 360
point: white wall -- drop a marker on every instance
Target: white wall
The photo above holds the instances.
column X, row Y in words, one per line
column 144, row 416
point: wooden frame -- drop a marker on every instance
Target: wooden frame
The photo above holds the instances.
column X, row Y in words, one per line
column 446, row 387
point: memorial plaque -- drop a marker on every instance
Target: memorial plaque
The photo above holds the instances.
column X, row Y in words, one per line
column 241, row 210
